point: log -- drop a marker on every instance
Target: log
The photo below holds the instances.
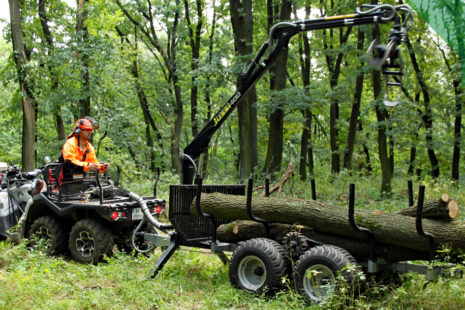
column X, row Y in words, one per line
column 237, row 231
column 442, row 208
column 388, row 228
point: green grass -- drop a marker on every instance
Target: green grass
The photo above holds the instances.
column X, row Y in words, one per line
column 192, row 280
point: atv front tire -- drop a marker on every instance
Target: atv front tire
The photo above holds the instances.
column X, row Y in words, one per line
column 89, row 241
column 46, row 231
column 258, row 266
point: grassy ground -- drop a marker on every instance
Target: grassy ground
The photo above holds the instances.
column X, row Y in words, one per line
column 192, row 280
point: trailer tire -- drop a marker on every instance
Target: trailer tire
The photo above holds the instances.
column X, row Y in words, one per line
column 316, row 272
column 258, row 266
column 89, row 241
column 47, row 231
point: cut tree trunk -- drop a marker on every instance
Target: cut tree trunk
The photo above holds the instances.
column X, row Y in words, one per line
column 243, row 230
column 442, row 208
column 388, row 228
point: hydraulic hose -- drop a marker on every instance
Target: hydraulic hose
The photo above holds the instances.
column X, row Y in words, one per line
column 134, row 235
column 146, row 212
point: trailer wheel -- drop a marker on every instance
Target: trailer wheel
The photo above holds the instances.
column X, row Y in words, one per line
column 316, row 272
column 89, row 241
column 48, row 233
column 258, row 266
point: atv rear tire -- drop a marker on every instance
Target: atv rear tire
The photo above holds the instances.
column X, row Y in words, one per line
column 316, row 272
column 46, row 231
column 89, row 241
column 258, row 266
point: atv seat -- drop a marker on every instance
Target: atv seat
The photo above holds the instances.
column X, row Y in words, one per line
column 62, row 182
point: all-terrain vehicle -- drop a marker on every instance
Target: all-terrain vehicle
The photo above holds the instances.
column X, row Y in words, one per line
column 16, row 191
column 80, row 213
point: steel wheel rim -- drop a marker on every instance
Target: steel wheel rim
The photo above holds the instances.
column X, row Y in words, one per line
column 319, row 282
column 85, row 244
column 44, row 236
column 252, row 272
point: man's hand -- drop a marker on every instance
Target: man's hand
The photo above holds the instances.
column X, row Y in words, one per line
column 93, row 166
column 104, row 167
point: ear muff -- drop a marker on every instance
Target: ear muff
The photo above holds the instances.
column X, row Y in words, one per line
column 77, row 129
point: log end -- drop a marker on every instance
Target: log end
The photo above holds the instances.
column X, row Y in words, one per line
column 445, row 197
column 235, row 229
column 453, row 207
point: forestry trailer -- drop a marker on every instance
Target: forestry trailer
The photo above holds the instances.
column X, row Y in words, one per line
column 258, row 264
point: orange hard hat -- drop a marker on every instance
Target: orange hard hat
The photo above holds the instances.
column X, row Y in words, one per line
column 83, row 124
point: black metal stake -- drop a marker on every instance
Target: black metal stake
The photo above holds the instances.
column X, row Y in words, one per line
column 249, row 208
column 369, row 233
column 419, row 222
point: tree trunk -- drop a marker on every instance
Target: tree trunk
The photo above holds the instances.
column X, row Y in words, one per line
column 148, row 119
column 353, row 124
column 427, row 116
column 21, row 61
column 305, row 144
column 168, row 55
column 274, row 154
column 382, row 118
column 194, row 42
column 49, row 40
column 457, row 129
column 242, row 23
column 388, row 228
column 237, row 231
column 81, row 30
column 207, row 88
column 366, row 150
column 413, row 148
column 179, row 109
column 305, row 65
column 334, row 67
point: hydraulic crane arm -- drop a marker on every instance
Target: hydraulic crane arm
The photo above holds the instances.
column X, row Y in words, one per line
column 278, row 39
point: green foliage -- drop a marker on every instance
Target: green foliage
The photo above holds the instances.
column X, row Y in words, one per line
column 58, row 86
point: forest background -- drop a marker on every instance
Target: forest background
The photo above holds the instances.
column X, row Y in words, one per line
column 153, row 72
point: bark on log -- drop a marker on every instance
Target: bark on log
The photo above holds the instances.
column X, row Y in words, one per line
column 243, row 230
column 440, row 208
column 388, row 228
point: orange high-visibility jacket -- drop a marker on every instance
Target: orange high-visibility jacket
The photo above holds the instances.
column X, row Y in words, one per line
column 74, row 154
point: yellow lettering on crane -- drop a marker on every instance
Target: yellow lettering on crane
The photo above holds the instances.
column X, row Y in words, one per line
column 226, row 108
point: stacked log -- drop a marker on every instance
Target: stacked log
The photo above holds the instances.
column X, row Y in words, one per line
column 392, row 230
column 442, row 208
